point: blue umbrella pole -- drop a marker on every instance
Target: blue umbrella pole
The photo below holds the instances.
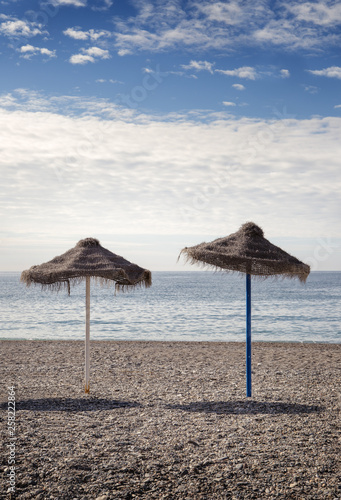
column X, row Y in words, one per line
column 248, row 336
column 87, row 335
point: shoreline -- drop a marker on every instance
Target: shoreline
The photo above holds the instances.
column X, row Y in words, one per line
column 179, row 341
column 170, row 419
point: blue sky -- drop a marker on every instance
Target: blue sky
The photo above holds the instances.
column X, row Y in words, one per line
column 156, row 125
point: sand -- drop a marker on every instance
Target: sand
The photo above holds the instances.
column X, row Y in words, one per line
column 170, row 420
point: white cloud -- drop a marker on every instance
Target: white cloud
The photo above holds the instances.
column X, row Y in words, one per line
column 185, row 35
column 97, row 52
column 73, row 176
column 29, row 50
column 199, row 66
column 93, row 35
column 323, row 13
column 229, row 13
column 81, row 59
column 76, row 34
column 284, row 33
column 33, row 101
column 225, row 26
column 17, row 28
column 70, row 3
column 228, row 103
column 47, row 52
column 243, row 72
column 89, row 55
column 332, row 72
column 238, row 86
column 106, row 4
column 165, row 25
column 311, row 89
column 102, row 80
column 337, row 106
column 124, row 52
column 285, row 73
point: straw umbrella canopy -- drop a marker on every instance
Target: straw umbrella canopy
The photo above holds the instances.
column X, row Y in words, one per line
column 247, row 251
column 88, row 259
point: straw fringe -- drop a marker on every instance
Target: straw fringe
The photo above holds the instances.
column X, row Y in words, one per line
column 261, row 276
column 66, row 285
column 246, row 251
column 87, row 258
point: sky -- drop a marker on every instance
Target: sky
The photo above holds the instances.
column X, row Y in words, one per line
column 155, row 125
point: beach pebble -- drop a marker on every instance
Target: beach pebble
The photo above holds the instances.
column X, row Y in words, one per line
column 170, row 420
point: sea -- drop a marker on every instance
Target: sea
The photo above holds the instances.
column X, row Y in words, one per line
column 179, row 306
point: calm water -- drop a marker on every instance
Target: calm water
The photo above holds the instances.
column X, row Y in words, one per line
column 178, row 306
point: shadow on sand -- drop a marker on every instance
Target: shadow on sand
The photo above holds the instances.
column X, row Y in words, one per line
column 69, row 404
column 246, row 407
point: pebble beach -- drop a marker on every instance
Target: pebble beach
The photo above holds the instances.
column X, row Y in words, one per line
column 170, row 420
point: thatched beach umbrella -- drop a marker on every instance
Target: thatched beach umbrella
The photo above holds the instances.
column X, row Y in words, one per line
column 247, row 251
column 88, row 259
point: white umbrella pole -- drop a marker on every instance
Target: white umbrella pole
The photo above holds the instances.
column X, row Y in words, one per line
column 87, row 335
